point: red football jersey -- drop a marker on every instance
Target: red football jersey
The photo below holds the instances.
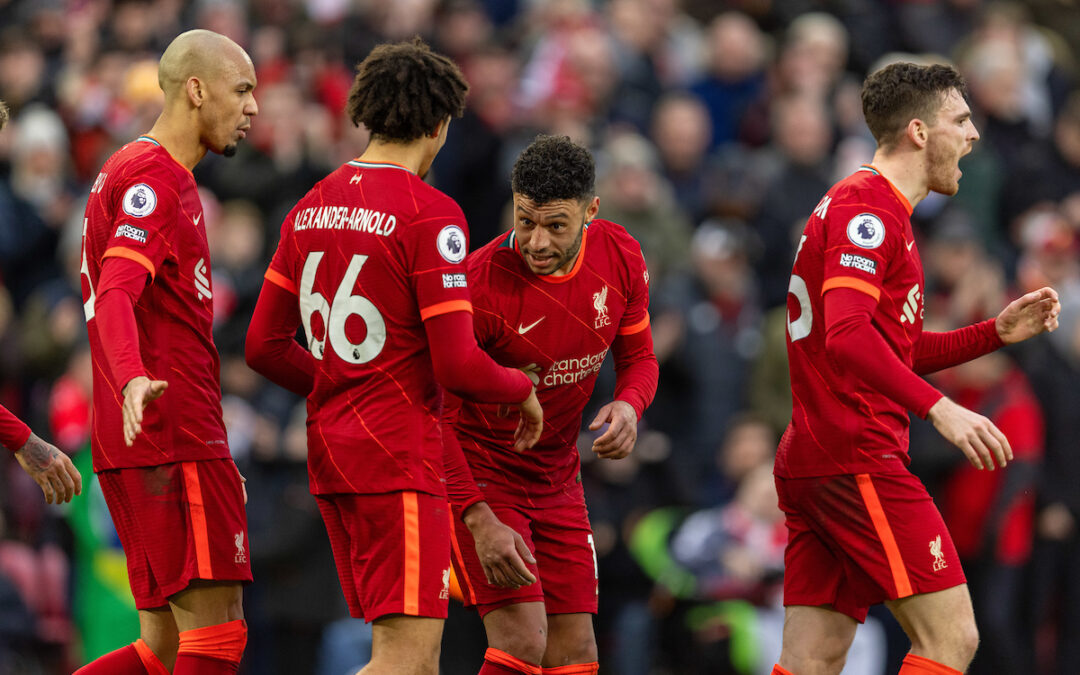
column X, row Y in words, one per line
column 859, row 236
column 144, row 206
column 371, row 251
column 562, row 325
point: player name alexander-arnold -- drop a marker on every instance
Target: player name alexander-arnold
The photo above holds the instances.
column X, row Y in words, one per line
column 356, row 218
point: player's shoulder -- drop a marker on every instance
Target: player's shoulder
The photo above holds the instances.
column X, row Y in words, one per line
column 145, row 157
column 600, row 228
column 501, row 247
column 868, row 189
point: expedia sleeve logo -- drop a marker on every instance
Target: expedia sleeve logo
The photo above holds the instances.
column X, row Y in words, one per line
column 866, row 230
column 140, row 200
column 131, row 232
column 451, row 244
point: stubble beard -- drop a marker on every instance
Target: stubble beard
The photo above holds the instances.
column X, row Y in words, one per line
column 229, row 150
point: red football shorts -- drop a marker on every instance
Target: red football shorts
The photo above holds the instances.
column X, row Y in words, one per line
column 858, row 540
column 392, row 552
column 560, row 539
column 178, row 522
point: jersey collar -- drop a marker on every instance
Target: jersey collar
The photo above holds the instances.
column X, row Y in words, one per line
column 899, row 195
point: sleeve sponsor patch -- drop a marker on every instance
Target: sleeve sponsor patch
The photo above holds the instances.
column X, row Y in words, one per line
column 451, row 244
column 866, row 230
column 868, row 265
column 454, row 281
column 131, row 232
column 140, row 200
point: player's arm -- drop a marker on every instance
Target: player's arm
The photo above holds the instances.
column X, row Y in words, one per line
column 636, row 376
column 51, row 469
column 120, row 284
column 270, row 347
column 937, row 351
column 501, row 550
column 463, row 369
column 856, row 347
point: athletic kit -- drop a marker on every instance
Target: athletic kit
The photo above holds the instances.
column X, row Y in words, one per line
column 561, row 328
column 862, row 529
column 144, row 236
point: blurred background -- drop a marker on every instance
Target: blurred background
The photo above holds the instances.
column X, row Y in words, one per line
column 717, row 125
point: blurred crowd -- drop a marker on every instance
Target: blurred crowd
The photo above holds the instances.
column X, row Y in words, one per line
column 717, row 125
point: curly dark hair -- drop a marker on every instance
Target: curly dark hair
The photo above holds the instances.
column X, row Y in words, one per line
column 403, row 90
column 901, row 92
column 3, row 114
column 553, row 168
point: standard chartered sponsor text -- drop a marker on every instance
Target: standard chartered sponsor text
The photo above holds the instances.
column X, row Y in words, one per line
column 355, row 218
column 569, row 371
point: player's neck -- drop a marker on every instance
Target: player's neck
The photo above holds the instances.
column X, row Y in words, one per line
column 905, row 171
column 177, row 138
column 413, row 155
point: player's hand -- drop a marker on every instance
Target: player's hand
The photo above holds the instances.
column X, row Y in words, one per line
column 138, row 393
column 502, row 552
column 531, row 424
column 618, row 440
column 1029, row 315
column 243, row 482
column 51, row 469
column 981, row 442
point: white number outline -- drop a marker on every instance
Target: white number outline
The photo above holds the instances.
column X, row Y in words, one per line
column 335, row 315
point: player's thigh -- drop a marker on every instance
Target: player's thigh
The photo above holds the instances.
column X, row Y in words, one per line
column 405, row 645
column 475, row 590
column 570, row 640
column 858, row 540
column 566, row 555
column 178, row 522
column 816, row 635
column 937, row 619
column 392, row 552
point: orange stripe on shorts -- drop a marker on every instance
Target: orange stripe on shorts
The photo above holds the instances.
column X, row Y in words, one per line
column 464, row 582
column 198, row 519
column 412, row 553
column 885, row 534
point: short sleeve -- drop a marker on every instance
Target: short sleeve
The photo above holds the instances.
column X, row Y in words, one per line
column 636, row 317
column 435, row 246
column 860, row 240
column 146, row 215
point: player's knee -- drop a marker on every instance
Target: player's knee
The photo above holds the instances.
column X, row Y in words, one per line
column 967, row 640
column 571, row 649
column 527, row 645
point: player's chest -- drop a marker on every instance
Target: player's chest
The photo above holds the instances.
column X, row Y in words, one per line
column 905, row 287
column 549, row 323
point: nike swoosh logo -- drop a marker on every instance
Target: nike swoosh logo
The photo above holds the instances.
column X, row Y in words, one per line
column 522, row 329
column 910, row 244
column 197, row 219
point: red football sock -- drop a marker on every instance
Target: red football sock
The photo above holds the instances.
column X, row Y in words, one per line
column 777, row 670
column 213, row 650
column 498, row 662
column 920, row 665
column 574, row 669
column 133, row 659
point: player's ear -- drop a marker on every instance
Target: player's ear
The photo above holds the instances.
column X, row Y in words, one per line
column 592, row 209
column 196, row 91
column 918, row 132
